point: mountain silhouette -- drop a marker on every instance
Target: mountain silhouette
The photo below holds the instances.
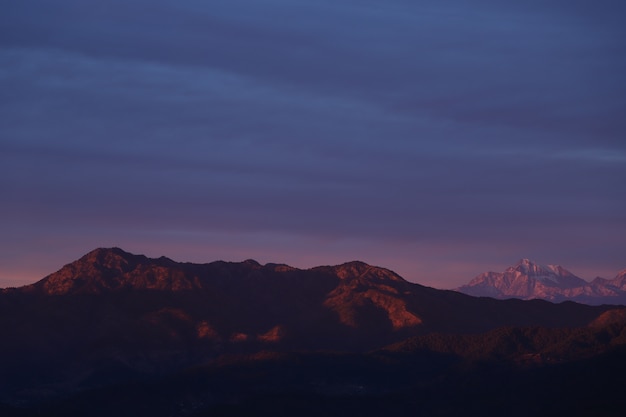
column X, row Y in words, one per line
column 113, row 317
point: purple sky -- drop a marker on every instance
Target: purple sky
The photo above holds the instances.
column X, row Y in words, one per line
column 439, row 139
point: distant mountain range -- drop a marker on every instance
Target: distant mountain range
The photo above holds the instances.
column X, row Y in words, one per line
column 527, row 280
column 115, row 333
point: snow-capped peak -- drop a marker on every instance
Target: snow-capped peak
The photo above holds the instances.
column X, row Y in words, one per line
column 527, row 267
column 552, row 273
column 527, row 280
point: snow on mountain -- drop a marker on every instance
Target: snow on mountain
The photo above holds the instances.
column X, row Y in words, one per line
column 550, row 275
column 528, row 280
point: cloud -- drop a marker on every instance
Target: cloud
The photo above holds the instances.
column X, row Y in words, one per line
column 403, row 123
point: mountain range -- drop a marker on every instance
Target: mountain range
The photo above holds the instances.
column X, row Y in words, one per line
column 115, row 333
column 527, row 280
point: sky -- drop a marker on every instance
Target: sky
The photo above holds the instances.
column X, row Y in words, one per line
column 439, row 139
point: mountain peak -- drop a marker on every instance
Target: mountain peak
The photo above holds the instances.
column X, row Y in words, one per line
column 107, row 251
column 101, row 268
column 541, row 272
column 354, row 264
column 527, row 266
column 351, row 269
column 109, row 257
column 251, row 262
column 527, row 280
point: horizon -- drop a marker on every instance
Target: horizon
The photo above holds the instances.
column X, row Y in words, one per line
column 438, row 140
column 20, row 283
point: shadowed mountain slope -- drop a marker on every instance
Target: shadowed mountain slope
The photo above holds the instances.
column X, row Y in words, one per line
column 509, row 371
column 113, row 316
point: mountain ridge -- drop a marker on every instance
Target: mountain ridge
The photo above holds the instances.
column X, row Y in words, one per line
column 111, row 317
column 111, row 269
column 527, row 280
column 356, row 294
